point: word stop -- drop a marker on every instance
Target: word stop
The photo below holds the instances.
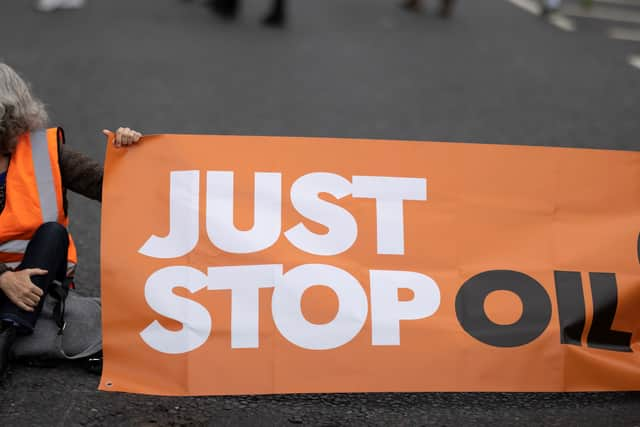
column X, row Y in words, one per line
column 244, row 283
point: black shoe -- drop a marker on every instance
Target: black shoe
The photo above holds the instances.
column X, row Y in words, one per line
column 93, row 363
column 7, row 338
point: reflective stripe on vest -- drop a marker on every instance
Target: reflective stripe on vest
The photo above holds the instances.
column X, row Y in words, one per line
column 14, row 246
column 71, row 266
column 44, row 176
column 20, row 247
column 12, row 264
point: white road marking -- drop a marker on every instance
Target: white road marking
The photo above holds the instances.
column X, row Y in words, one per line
column 620, row 2
column 603, row 12
column 556, row 19
column 628, row 34
column 562, row 22
column 530, row 6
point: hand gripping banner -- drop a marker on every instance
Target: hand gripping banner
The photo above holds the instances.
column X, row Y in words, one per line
column 253, row 265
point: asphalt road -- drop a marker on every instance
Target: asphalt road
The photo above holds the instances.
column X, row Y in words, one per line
column 342, row 68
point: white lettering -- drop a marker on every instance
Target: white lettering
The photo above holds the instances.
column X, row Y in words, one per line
column 266, row 218
column 389, row 193
column 183, row 218
column 287, row 311
column 244, row 282
column 194, row 317
column 343, row 229
column 387, row 310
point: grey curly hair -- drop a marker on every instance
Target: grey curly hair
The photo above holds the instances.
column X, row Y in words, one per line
column 20, row 112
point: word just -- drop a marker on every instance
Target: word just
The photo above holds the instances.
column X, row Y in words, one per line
column 389, row 193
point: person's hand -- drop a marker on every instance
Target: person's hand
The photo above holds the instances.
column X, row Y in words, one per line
column 19, row 288
column 123, row 136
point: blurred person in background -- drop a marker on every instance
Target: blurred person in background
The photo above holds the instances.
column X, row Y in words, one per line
column 276, row 16
column 36, row 169
column 549, row 6
column 52, row 5
column 446, row 7
column 228, row 9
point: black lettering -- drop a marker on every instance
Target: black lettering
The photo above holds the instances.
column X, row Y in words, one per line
column 571, row 308
column 536, row 308
column 604, row 291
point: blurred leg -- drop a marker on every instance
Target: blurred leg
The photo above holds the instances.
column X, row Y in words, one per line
column 446, row 8
column 276, row 17
column 548, row 6
column 413, row 5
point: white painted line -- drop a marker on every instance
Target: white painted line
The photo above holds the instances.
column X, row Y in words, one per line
column 603, row 12
column 530, row 6
column 635, row 3
column 634, row 61
column 562, row 22
column 555, row 19
column 628, row 34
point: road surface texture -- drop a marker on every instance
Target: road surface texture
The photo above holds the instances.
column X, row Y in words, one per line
column 494, row 73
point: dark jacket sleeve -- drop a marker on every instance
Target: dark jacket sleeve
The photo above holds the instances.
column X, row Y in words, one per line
column 80, row 173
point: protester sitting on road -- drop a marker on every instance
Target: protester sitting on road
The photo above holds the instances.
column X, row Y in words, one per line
column 36, row 169
column 446, row 7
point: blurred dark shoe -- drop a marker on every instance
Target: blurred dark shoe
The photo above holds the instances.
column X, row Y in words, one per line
column 7, row 338
column 227, row 9
column 272, row 20
column 411, row 5
column 446, row 8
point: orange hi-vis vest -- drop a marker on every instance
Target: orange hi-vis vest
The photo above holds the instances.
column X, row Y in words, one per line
column 34, row 195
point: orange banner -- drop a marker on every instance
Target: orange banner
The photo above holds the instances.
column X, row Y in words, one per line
column 253, row 265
